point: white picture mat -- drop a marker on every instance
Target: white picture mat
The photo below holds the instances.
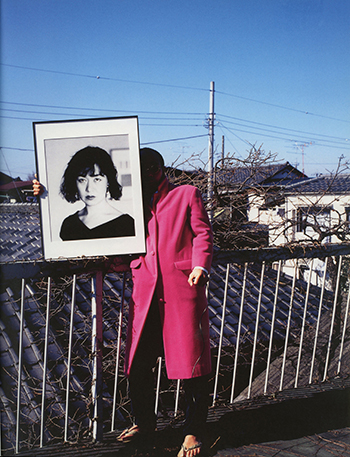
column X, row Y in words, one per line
column 56, row 143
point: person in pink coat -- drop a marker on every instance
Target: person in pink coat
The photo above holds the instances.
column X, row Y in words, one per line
column 168, row 309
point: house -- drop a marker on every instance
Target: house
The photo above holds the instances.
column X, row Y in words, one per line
column 237, row 191
column 21, row 253
column 315, row 210
column 14, row 190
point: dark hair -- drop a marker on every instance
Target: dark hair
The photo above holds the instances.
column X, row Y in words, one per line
column 81, row 164
column 155, row 154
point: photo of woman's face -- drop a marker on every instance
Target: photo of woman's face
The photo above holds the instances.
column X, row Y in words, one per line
column 92, row 188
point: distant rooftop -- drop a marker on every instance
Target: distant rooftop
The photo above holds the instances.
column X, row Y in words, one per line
column 339, row 184
column 20, row 237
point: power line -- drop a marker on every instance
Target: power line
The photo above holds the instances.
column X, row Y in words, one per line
column 301, row 134
column 144, row 144
column 156, row 118
column 276, row 137
column 86, row 115
column 283, row 107
column 104, row 77
column 176, row 87
column 174, row 139
column 16, row 149
column 282, row 128
column 103, row 109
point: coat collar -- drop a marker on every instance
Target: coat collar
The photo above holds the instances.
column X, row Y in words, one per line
column 163, row 189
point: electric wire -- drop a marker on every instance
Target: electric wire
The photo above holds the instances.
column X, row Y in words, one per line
column 315, row 136
column 174, row 139
column 101, row 109
column 282, row 128
column 246, row 126
column 275, row 105
column 283, row 107
column 162, row 113
column 291, row 139
column 106, row 78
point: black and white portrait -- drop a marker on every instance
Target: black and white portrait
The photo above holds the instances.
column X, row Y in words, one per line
column 92, row 203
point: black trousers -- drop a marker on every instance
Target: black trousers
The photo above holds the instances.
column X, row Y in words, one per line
column 142, row 382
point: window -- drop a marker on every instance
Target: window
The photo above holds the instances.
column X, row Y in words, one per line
column 308, row 218
column 347, row 219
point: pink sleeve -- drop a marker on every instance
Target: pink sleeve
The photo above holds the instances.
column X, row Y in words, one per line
column 202, row 248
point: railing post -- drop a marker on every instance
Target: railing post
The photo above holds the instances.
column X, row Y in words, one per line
column 256, row 329
column 158, row 385
column 221, row 333
column 177, row 396
column 288, row 325
column 333, row 319
column 116, row 377
column 303, row 325
column 239, row 333
column 97, row 339
column 344, row 331
column 47, row 327
column 318, row 321
column 71, row 326
column 273, row 319
column 20, row 353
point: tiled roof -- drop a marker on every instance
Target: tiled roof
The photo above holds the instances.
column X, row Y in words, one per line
column 20, row 241
column 265, row 175
column 20, row 232
column 339, row 184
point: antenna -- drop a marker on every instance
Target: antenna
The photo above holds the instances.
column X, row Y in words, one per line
column 301, row 146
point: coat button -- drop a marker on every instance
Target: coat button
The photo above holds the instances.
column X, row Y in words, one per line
column 152, row 252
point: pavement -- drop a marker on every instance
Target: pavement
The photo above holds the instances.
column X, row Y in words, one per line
column 328, row 444
column 298, row 427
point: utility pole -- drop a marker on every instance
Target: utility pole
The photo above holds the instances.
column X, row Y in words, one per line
column 222, row 148
column 211, row 151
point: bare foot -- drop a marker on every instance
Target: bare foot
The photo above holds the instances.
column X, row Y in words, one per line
column 190, row 447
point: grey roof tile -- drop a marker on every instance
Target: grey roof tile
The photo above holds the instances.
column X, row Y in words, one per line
column 339, row 184
column 20, row 238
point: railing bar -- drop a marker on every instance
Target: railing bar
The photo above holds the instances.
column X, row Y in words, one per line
column 96, row 387
column 120, row 325
column 221, row 333
column 239, row 332
column 177, row 397
column 333, row 318
column 288, row 325
column 46, row 343
column 158, row 384
column 303, row 325
column 318, row 320
column 344, row 331
column 69, row 362
column 20, row 357
column 256, row 330
column 272, row 326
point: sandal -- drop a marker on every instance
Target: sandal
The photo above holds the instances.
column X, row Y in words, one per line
column 129, row 434
column 185, row 449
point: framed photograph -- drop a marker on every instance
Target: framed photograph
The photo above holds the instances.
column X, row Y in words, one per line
column 92, row 203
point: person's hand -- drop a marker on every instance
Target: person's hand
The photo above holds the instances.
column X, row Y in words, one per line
column 198, row 277
column 38, row 188
column 118, row 264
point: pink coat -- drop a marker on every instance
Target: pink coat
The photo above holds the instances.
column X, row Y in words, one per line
column 179, row 239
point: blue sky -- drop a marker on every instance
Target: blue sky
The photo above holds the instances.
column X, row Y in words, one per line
column 281, row 70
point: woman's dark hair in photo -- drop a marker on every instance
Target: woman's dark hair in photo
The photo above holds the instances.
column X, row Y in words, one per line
column 81, row 164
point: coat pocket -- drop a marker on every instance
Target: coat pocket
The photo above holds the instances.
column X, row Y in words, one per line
column 183, row 265
column 135, row 263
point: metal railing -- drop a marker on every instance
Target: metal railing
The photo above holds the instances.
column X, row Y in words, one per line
column 276, row 341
